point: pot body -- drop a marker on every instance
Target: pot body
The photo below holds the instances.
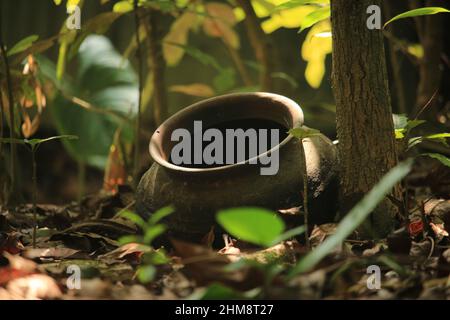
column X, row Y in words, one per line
column 197, row 194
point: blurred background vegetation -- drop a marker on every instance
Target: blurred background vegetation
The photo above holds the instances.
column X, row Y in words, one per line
column 86, row 82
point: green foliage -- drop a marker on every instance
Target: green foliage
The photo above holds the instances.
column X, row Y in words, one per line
column 354, row 218
column 152, row 228
column 256, row 225
column 35, row 143
column 23, row 45
column 315, row 17
column 107, row 90
column 418, row 12
column 304, row 132
column 443, row 159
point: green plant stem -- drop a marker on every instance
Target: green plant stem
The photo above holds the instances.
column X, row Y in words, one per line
column 34, row 178
column 11, row 106
column 305, row 196
column 138, row 116
column 81, row 180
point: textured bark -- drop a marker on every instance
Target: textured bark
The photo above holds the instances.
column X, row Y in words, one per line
column 364, row 118
column 261, row 44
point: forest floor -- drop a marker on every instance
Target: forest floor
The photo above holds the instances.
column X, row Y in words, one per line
column 414, row 261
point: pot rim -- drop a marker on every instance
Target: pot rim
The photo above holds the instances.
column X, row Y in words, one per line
column 156, row 143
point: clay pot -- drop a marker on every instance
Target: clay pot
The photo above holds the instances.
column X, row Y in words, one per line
column 198, row 193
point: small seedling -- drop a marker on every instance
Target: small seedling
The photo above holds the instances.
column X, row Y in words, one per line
column 33, row 145
column 303, row 133
column 152, row 228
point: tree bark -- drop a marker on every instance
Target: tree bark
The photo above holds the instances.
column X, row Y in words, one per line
column 363, row 109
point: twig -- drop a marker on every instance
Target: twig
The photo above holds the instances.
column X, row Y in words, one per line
column 33, row 157
column 157, row 65
column 11, row 105
column 138, row 116
column 426, row 104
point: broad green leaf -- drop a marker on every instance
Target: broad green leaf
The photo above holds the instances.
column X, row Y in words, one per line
column 22, row 45
column 354, row 218
column 315, row 17
column 160, row 214
column 255, row 225
column 418, row 12
column 443, row 159
column 102, row 81
column 414, row 123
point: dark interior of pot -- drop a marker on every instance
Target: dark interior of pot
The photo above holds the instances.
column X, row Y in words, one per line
column 236, row 111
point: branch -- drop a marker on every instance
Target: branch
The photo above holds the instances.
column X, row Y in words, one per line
column 260, row 43
column 157, row 65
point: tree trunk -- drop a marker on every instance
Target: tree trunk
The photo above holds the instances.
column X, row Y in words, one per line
column 363, row 109
column 261, row 44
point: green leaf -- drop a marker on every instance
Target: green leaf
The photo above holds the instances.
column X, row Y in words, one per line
column 438, row 136
column 153, row 232
column 255, row 225
column 123, row 6
column 314, row 17
column 12, row 140
column 443, row 159
column 400, row 121
column 418, row 12
column 35, row 142
column 128, row 239
column 146, row 274
column 399, row 133
column 160, row 214
column 104, row 83
column 22, row 45
column 135, row 218
column 354, row 218
column 304, row 132
column 414, row 123
column 297, row 3
column 289, row 234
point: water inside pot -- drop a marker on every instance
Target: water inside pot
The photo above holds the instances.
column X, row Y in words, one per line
column 228, row 156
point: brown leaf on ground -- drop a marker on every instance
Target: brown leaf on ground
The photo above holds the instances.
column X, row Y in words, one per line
column 56, row 253
column 206, row 266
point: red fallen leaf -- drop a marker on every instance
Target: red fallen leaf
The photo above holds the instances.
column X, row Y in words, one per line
column 415, row 227
column 10, row 243
column 7, row 274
